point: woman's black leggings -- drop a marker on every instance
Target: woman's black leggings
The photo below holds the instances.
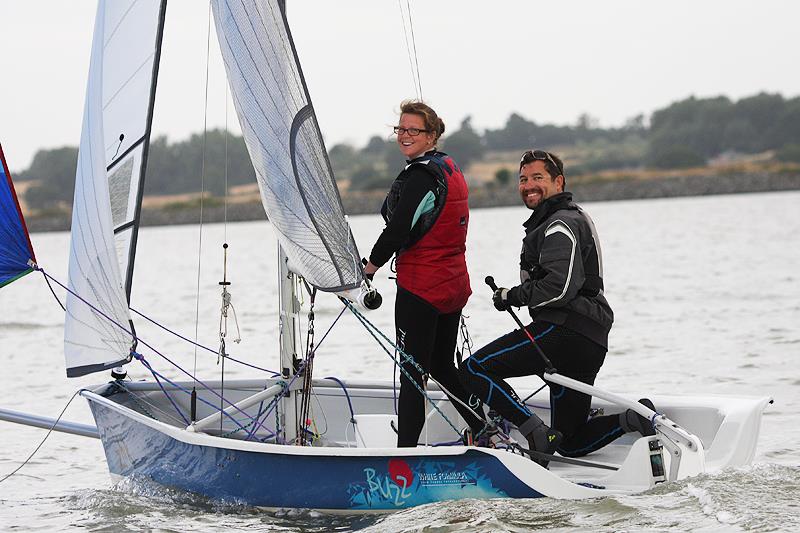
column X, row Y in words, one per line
column 572, row 354
column 430, row 338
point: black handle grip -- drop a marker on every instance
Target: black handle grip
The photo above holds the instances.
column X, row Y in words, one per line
column 490, row 282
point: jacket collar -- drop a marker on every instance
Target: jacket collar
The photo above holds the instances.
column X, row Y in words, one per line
column 429, row 153
column 557, row 202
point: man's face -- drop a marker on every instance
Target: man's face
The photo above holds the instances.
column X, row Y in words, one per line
column 536, row 184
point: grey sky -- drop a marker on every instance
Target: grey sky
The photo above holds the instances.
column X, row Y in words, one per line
column 550, row 61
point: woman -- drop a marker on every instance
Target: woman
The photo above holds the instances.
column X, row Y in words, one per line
column 426, row 216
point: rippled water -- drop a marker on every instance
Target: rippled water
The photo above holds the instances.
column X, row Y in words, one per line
column 706, row 293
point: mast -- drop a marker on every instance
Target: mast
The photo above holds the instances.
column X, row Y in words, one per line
column 288, row 320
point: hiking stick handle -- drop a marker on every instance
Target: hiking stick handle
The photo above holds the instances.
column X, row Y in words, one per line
column 549, row 368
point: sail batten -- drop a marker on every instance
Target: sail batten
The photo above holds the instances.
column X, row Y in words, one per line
column 280, row 128
column 109, row 183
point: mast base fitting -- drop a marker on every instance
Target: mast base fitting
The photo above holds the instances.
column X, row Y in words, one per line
column 119, row 373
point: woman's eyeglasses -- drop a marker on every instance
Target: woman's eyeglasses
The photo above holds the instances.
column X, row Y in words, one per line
column 411, row 131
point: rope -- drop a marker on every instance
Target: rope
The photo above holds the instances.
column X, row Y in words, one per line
column 190, row 341
column 265, row 411
column 466, row 338
column 409, row 359
column 414, row 43
column 139, row 339
column 36, row 267
column 531, row 395
column 451, row 396
column 214, row 407
column 158, row 324
column 49, row 431
column 346, row 395
column 140, row 357
column 305, row 395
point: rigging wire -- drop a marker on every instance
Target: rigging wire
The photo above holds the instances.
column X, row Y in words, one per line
column 200, row 232
column 411, row 47
column 414, row 43
column 225, row 203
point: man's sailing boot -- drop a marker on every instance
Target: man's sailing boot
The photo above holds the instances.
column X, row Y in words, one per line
column 540, row 438
column 630, row 420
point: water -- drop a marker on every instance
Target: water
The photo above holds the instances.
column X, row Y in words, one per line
column 706, row 296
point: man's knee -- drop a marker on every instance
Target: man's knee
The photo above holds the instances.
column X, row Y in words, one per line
column 466, row 375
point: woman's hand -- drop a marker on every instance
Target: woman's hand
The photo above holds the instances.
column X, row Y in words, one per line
column 369, row 270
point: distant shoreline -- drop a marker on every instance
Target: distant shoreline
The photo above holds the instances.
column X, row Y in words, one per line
column 359, row 203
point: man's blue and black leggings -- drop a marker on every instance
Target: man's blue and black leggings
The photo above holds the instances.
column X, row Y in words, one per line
column 572, row 354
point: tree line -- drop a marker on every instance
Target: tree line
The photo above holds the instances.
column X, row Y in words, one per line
column 686, row 133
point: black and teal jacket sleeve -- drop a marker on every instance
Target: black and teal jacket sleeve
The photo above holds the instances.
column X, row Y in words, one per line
column 417, row 187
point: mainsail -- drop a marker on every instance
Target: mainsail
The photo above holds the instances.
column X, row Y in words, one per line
column 109, row 180
column 280, row 129
column 16, row 251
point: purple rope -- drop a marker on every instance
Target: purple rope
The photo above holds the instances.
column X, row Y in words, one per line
column 273, row 404
column 303, row 365
column 259, row 423
column 140, row 357
column 185, row 391
column 123, row 328
column 200, row 345
column 346, row 395
column 36, row 267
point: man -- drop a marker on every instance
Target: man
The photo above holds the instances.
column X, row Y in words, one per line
column 561, row 277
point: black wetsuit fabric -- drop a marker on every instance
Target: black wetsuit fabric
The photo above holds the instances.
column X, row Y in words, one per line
column 572, row 354
column 430, row 338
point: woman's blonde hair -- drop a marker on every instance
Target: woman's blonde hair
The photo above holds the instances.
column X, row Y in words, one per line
column 432, row 121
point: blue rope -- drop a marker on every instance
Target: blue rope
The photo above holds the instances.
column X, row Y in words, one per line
column 261, row 412
column 270, row 406
column 187, row 391
column 140, row 357
column 346, row 395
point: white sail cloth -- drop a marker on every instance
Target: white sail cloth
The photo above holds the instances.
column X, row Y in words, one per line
column 295, row 178
column 107, row 184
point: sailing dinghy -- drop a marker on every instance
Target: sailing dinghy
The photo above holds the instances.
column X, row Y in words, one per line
column 251, row 441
